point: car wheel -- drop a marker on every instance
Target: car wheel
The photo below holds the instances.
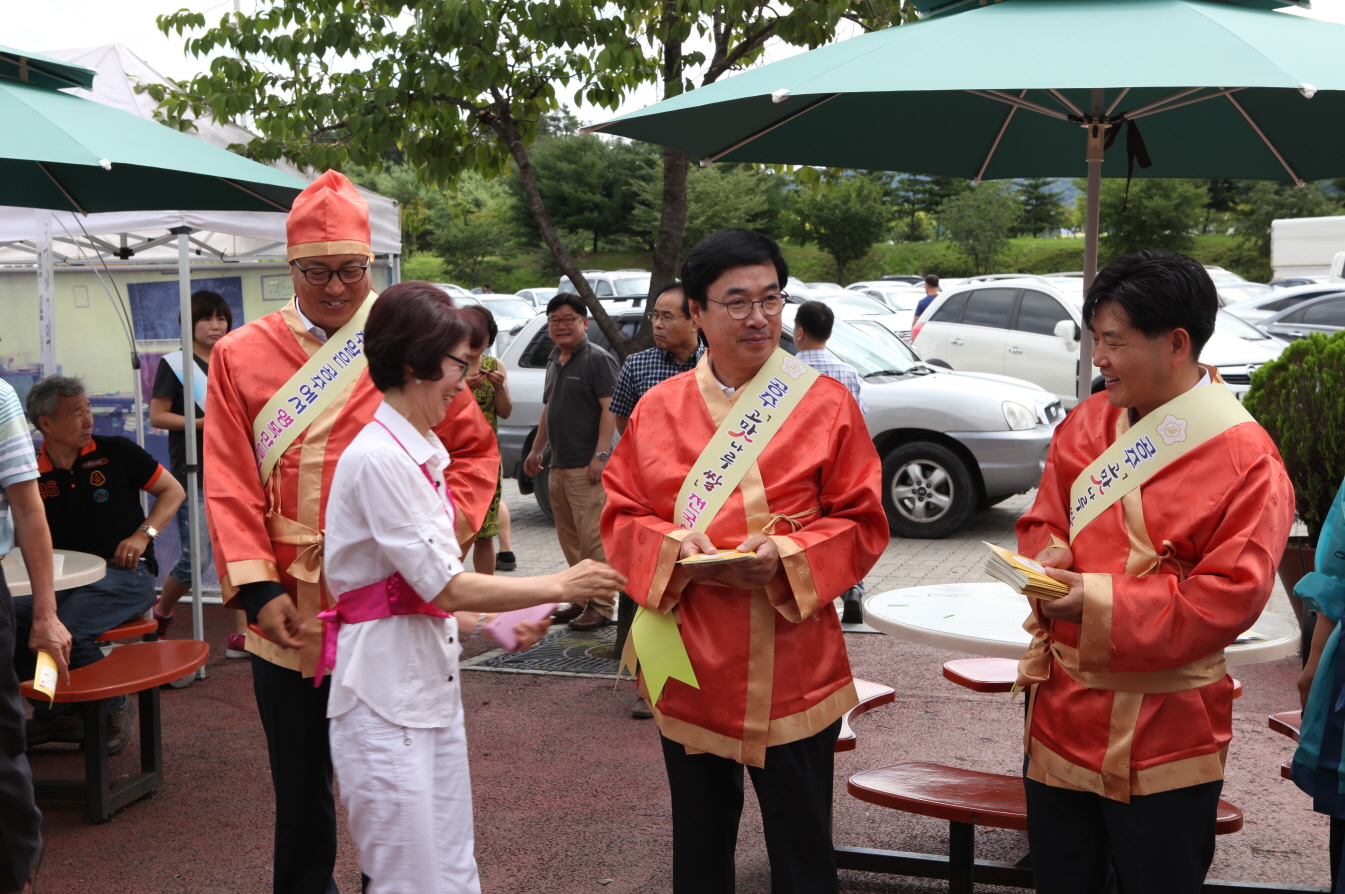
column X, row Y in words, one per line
column 941, row 363
column 927, row 491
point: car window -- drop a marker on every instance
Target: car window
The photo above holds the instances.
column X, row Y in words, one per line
column 1281, row 304
column 1227, row 323
column 854, row 302
column 951, row 310
column 602, row 288
column 1039, row 313
column 906, row 299
column 990, row 308
column 865, row 355
column 509, row 308
column 884, row 336
column 633, row 287
column 1325, row 313
column 1293, row 317
column 538, row 351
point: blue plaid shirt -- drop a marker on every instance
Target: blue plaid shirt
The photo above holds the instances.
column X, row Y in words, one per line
column 643, row 371
column 827, row 364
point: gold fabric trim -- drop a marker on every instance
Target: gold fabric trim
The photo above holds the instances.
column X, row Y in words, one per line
column 760, row 680
column 698, row 740
column 1049, row 768
column 268, row 651
column 1095, row 630
column 249, row 571
column 321, row 249
column 669, row 579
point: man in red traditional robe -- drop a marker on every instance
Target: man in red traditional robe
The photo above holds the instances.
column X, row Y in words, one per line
column 266, row 524
column 762, row 635
column 1131, row 708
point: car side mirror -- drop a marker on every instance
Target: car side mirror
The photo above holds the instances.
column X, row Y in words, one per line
column 1068, row 332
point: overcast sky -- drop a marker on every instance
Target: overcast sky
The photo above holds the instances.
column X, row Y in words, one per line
column 39, row 25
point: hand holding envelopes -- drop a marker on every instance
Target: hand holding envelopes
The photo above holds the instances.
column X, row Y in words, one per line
column 731, row 555
column 1022, row 574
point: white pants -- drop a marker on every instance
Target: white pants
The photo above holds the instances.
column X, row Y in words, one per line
column 409, row 801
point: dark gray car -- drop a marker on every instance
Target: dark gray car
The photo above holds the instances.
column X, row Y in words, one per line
column 1325, row 314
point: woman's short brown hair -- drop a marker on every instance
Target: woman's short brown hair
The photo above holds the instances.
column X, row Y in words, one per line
column 415, row 325
column 206, row 304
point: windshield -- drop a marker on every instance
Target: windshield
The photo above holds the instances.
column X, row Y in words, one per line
column 509, row 308
column 634, row 287
column 902, row 299
column 852, row 303
column 1229, row 324
column 867, row 355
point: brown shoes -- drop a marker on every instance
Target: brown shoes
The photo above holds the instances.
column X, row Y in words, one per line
column 590, row 619
column 569, row 613
column 119, row 726
column 640, row 709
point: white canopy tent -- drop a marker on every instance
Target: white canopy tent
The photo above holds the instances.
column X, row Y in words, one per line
column 43, row 238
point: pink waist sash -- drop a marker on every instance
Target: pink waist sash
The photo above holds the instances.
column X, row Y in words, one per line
column 381, row 599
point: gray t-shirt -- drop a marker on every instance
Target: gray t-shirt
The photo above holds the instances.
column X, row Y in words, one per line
column 571, row 395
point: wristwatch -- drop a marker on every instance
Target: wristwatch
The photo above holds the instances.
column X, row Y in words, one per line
column 604, row 456
column 152, row 531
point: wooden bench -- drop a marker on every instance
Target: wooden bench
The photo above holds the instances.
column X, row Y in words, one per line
column 1287, row 723
column 966, row 799
column 871, row 695
column 137, row 668
column 136, row 627
column 998, row 675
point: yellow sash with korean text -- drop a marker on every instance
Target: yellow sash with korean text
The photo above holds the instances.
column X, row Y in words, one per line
column 774, row 392
column 332, row 369
column 1171, row 431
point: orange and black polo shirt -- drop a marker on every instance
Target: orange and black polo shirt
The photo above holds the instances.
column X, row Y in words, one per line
column 96, row 505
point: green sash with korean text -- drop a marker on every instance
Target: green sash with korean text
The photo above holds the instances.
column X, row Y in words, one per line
column 1171, row 431
column 766, row 403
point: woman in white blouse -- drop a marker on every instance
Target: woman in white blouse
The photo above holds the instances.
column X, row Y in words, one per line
column 392, row 558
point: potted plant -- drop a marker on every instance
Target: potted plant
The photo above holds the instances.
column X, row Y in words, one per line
column 1299, row 399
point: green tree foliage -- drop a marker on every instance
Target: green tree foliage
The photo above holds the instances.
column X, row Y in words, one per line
column 718, row 196
column 918, row 198
column 845, row 221
column 471, row 229
column 1297, row 399
column 1159, row 213
column 453, row 87
column 1224, row 197
column 980, row 221
column 1265, row 202
column 1042, row 209
column 588, row 185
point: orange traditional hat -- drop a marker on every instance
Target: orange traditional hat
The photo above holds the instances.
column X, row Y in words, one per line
column 330, row 217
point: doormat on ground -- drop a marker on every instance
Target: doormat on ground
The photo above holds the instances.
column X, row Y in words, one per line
column 564, row 652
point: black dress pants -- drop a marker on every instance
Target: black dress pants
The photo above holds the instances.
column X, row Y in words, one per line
column 20, row 821
column 294, row 715
column 1162, row 842
column 794, row 790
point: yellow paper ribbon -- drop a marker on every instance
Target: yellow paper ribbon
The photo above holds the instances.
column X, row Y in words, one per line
column 663, row 655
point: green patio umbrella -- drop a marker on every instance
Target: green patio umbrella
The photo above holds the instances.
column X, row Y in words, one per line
column 1039, row 88
column 65, row 153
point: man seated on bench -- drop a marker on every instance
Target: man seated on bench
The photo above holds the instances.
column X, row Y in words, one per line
column 91, row 492
column 1131, row 705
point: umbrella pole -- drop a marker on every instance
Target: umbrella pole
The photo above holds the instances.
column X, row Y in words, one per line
column 46, row 294
column 1092, row 224
column 189, row 431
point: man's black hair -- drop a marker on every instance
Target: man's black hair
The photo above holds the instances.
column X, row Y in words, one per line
column 719, row 252
column 668, row 287
column 1157, row 291
column 816, row 319
column 567, row 299
column 932, row 279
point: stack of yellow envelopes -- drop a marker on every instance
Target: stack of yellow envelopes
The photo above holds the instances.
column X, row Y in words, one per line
column 1022, row 574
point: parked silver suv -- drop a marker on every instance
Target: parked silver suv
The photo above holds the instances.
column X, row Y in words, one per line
column 613, row 283
column 950, row 442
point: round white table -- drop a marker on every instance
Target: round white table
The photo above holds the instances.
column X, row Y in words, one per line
column 987, row 619
column 79, row 569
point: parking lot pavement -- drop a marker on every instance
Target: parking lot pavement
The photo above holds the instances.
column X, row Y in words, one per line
column 959, row 558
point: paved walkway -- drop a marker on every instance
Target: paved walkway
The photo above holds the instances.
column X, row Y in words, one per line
column 569, row 791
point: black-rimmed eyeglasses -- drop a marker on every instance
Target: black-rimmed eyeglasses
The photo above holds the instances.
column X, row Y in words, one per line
column 320, row 276
column 741, row 308
column 465, row 365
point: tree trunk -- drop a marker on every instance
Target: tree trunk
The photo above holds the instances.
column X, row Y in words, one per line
column 504, row 126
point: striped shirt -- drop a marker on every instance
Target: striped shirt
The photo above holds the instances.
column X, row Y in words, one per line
column 643, row 371
column 827, row 364
column 18, row 459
